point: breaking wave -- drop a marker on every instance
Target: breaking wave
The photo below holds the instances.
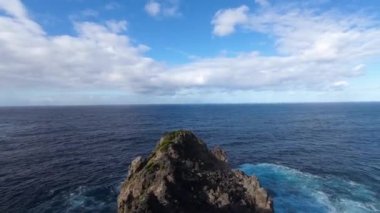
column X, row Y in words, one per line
column 296, row 191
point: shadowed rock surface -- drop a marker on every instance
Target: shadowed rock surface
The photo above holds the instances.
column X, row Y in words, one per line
column 183, row 175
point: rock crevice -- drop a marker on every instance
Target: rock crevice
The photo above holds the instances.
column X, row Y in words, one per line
column 183, row 175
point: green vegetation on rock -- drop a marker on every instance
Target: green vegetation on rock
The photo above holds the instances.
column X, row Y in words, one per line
column 151, row 166
column 189, row 178
column 170, row 137
column 164, row 145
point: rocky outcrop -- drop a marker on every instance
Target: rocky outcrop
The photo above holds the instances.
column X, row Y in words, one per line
column 183, row 175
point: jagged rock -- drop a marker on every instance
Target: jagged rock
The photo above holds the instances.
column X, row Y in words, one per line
column 182, row 175
column 220, row 154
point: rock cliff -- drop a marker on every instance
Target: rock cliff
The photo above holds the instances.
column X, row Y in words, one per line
column 183, row 175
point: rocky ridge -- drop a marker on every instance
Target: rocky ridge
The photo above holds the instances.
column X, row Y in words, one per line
column 183, row 175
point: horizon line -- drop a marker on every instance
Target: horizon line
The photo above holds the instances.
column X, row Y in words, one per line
column 183, row 104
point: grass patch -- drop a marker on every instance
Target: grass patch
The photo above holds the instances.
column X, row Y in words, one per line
column 170, row 137
column 151, row 166
column 164, row 145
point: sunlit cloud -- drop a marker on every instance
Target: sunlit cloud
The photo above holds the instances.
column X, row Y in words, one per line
column 313, row 51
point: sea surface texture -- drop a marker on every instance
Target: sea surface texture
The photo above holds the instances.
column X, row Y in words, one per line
column 310, row 157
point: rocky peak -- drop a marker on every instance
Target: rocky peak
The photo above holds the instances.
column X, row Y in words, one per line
column 183, row 175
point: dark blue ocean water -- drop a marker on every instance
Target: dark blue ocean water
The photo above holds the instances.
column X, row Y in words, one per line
column 311, row 157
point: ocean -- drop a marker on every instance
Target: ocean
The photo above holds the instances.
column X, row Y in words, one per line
column 311, row 157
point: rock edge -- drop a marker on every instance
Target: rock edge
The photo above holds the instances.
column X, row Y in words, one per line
column 183, row 175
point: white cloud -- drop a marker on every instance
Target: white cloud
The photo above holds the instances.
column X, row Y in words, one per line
column 13, row 8
column 97, row 58
column 112, row 6
column 153, row 8
column 263, row 3
column 85, row 14
column 315, row 51
column 340, row 84
column 116, row 26
column 165, row 8
column 226, row 20
column 313, row 48
column 89, row 13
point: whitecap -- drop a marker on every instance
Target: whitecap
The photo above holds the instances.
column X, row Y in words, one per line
column 296, row 191
column 90, row 199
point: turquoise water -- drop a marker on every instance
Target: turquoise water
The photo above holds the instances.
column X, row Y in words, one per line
column 296, row 191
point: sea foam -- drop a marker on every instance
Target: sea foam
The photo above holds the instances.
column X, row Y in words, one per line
column 296, row 191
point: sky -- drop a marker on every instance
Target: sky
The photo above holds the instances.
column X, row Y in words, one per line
column 98, row 52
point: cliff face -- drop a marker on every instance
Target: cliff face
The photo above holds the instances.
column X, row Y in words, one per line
column 182, row 175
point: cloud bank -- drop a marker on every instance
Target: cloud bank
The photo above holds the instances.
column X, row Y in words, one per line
column 314, row 51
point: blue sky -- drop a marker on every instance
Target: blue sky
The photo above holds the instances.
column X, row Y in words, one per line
column 74, row 52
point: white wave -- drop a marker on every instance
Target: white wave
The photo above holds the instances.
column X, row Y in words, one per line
column 297, row 191
column 87, row 199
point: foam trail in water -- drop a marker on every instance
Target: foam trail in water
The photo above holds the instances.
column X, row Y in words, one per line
column 296, row 191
